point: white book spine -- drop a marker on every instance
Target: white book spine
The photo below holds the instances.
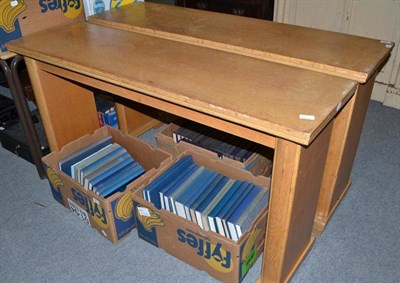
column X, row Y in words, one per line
column 211, row 224
column 219, row 225
column 199, row 219
column 162, row 200
column 238, row 231
column 193, row 215
column 232, row 231
column 180, row 210
column 166, row 203
column 187, row 213
column 225, row 225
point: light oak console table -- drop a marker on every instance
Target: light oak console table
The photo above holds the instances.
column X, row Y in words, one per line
column 256, row 99
column 352, row 57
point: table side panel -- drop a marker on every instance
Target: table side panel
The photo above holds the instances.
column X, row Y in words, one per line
column 362, row 100
column 63, row 105
column 296, row 180
column 342, row 152
column 340, row 131
column 311, row 170
column 135, row 119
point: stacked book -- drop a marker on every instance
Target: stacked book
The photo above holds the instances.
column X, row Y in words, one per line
column 103, row 167
column 219, row 142
column 207, row 198
column 106, row 113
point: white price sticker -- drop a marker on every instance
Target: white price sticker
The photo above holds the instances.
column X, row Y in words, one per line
column 339, row 106
column 307, row 117
column 143, row 211
column 82, row 214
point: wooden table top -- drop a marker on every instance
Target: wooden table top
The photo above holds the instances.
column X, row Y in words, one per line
column 258, row 94
column 343, row 55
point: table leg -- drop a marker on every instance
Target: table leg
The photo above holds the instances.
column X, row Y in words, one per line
column 346, row 134
column 296, row 181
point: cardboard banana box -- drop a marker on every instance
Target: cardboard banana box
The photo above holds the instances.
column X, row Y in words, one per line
column 111, row 217
column 221, row 257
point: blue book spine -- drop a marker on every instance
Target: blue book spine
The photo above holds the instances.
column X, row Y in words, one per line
column 166, row 178
column 171, row 172
column 66, row 163
column 196, row 194
column 119, row 158
column 206, row 202
column 123, row 181
column 175, row 183
column 151, row 191
column 100, row 178
column 245, row 204
column 232, row 203
column 189, row 190
column 214, row 203
column 203, row 196
column 196, row 191
column 77, row 167
column 128, row 170
column 246, row 191
column 99, row 162
column 221, row 204
column 258, row 204
column 106, row 182
column 181, row 190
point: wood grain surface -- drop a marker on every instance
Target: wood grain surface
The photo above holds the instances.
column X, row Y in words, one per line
column 339, row 54
column 261, row 95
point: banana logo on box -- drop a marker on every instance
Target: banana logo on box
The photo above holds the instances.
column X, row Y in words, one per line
column 56, row 184
column 124, row 207
column 119, row 3
column 249, row 246
column 248, row 250
column 71, row 8
column 54, row 179
column 9, row 11
column 149, row 220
